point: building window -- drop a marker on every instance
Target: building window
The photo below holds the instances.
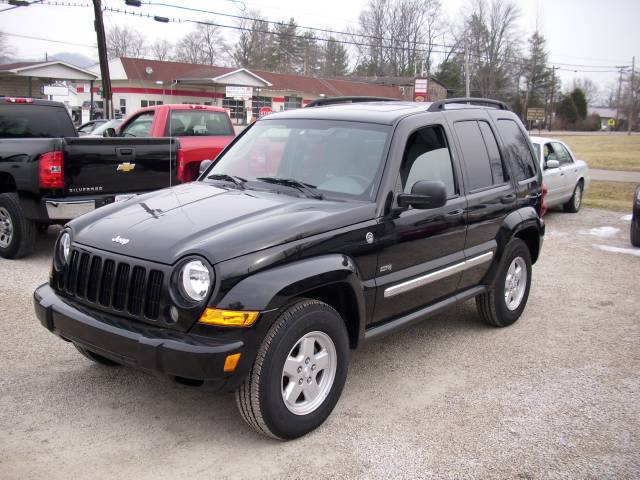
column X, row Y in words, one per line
column 150, row 103
column 258, row 102
column 123, row 106
column 291, row 103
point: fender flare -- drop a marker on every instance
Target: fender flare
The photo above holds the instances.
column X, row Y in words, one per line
column 273, row 288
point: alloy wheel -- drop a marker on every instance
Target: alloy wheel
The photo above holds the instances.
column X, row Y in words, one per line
column 515, row 283
column 6, row 228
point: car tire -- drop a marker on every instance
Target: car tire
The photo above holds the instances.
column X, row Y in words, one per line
column 635, row 232
column 17, row 233
column 575, row 202
column 94, row 357
column 506, row 299
column 279, row 398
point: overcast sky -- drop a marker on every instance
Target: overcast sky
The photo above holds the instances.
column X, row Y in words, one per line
column 589, row 33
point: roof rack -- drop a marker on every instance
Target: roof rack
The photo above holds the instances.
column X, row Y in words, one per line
column 487, row 102
column 319, row 102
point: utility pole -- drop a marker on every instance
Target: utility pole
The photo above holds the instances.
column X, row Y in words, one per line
column 621, row 68
column 553, row 87
column 104, row 64
column 632, row 101
column 466, row 73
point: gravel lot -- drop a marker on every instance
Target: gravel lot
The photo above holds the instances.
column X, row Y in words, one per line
column 557, row 395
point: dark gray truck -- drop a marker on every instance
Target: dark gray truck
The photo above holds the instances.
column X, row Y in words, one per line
column 48, row 175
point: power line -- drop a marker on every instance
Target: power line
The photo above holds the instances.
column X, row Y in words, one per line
column 29, row 37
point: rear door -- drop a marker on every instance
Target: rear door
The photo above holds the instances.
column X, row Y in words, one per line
column 553, row 177
column 568, row 168
column 490, row 192
column 119, row 165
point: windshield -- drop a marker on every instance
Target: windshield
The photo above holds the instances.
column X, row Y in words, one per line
column 339, row 158
column 101, row 128
column 35, row 121
column 198, row 123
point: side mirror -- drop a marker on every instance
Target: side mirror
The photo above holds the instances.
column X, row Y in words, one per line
column 204, row 165
column 425, row 194
column 109, row 132
column 552, row 164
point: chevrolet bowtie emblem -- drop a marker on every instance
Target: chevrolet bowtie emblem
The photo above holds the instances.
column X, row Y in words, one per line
column 120, row 240
column 125, row 167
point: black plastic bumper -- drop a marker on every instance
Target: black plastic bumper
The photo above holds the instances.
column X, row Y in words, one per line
column 153, row 350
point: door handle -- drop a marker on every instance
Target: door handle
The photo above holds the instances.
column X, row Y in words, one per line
column 455, row 213
column 509, row 198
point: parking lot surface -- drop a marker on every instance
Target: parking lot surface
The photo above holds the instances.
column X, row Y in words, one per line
column 557, row 395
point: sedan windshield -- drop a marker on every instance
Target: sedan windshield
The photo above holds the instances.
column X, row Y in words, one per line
column 338, row 158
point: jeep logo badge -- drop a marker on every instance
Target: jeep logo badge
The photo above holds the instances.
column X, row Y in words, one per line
column 369, row 237
column 120, row 240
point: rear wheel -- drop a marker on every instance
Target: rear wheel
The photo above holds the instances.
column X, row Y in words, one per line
column 575, row 202
column 94, row 357
column 505, row 301
column 299, row 372
column 17, row 233
column 635, row 232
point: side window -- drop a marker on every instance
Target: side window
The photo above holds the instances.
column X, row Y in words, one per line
column 427, row 157
column 475, row 155
column 139, row 126
column 519, row 157
column 563, row 155
column 497, row 168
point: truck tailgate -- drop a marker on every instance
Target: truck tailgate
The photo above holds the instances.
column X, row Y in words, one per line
column 119, row 165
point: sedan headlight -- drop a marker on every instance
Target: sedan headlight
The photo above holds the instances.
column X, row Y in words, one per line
column 64, row 247
column 195, row 280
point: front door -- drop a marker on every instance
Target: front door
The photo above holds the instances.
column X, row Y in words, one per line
column 418, row 246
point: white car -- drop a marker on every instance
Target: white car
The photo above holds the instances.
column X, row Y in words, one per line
column 566, row 177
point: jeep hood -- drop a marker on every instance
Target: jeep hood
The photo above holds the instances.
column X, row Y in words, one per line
column 215, row 222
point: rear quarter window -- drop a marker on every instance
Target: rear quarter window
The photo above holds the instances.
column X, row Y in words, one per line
column 35, row 121
column 519, row 157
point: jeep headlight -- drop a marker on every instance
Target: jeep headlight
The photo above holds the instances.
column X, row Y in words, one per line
column 195, row 280
column 64, row 247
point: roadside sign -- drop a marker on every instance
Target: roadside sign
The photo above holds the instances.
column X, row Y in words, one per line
column 239, row 92
column 420, row 89
column 535, row 114
column 55, row 90
column 264, row 111
column 611, row 122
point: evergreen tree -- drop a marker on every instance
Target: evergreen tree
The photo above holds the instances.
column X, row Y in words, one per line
column 567, row 111
column 580, row 103
column 336, row 59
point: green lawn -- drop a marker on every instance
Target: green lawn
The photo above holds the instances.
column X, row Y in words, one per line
column 610, row 195
column 610, row 152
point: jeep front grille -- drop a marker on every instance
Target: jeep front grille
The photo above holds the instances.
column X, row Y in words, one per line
column 113, row 284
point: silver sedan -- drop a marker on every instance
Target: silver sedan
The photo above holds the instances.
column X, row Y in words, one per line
column 566, row 177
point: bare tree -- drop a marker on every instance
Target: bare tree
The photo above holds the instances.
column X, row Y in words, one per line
column 212, row 45
column 188, row 48
column 253, row 45
column 4, row 51
column 123, row 42
column 161, row 49
column 589, row 88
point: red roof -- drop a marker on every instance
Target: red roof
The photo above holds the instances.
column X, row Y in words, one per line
column 135, row 68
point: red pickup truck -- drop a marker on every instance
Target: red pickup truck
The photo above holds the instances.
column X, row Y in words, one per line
column 203, row 132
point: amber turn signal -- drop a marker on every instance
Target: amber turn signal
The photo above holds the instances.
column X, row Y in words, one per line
column 228, row 318
column 231, row 362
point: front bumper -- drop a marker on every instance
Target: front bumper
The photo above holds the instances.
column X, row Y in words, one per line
column 151, row 349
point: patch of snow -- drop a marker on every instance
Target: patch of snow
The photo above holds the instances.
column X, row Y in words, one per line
column 602, row 232
column 626, row 218
column 628, row 251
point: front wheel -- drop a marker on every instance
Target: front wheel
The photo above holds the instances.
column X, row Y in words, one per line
column 503, row 304
column 575, row 202
column 17, row 233
column 299, row 372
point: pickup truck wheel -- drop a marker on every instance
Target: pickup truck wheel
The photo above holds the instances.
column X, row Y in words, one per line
column 94, row 357
column 503, row 304
column 635, row 232
column 575, row 202
column 299, row 372
column 17, row 233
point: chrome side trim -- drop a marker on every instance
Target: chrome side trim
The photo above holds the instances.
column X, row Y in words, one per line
column 437, row 275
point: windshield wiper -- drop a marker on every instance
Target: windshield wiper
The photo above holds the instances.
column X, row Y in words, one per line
column 237, row 181
column 306, row 188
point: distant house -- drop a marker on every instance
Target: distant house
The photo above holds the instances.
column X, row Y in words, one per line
column 435, row 89
column 28, row 79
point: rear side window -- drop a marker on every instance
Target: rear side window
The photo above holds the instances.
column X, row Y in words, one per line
column 198, row 123
column 34, row 121
column 562, row 154
column 139, row 126
column 519, row 158
column 480, row 153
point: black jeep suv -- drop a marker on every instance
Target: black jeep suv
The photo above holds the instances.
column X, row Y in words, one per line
column 316, row 230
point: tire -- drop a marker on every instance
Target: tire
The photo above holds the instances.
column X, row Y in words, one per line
column 42, row 228
column 575, row 202
column 635, row 232
column 492, row 305
column 94, row 357
column 304, row 325
column 17, row 233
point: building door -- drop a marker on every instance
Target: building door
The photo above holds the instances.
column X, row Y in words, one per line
column 236, row 110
